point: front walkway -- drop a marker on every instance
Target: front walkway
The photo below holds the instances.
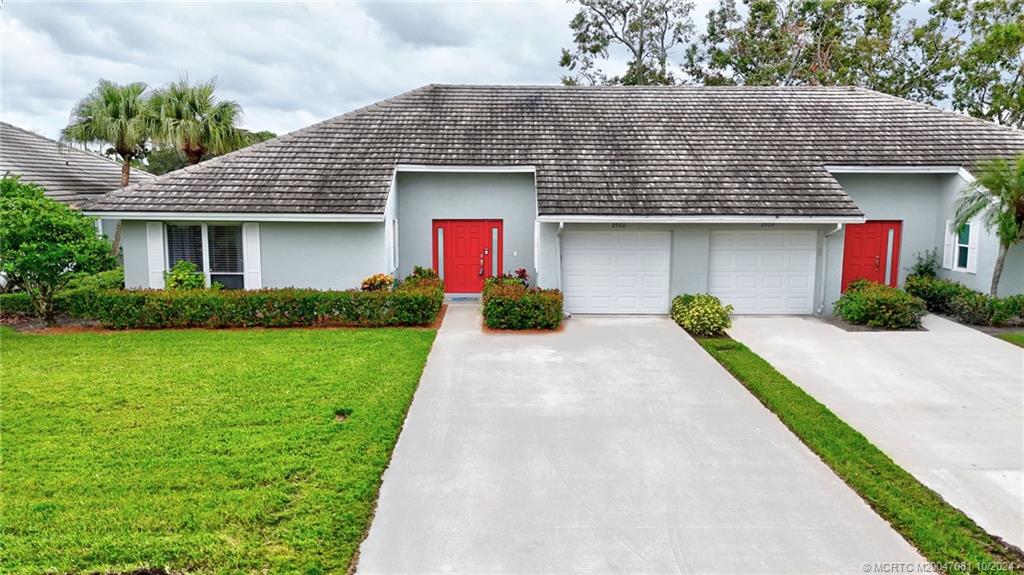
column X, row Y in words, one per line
column 947, row 404
column 617, row 445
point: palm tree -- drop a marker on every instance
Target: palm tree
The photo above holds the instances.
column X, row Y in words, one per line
column 192, row 119
column 997, row 197
column 116, row 115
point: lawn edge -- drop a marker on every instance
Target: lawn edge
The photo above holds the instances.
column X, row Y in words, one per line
column 353, row 561
column 1003, row 557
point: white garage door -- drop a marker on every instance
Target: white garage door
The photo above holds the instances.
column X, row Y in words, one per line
column 763, row 271
column 616, row 271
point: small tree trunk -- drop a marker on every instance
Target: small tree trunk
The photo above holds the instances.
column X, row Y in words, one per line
column 997, row 270
column 126, row 170
column 194, row 155
column 126, row 173
column 115, row 242
column 42, row 299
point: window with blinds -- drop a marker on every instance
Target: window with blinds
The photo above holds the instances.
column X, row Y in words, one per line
column 185, row 242
column 226, row 256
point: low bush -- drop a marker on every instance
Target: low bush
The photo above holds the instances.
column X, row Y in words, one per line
column 74, row 302
column 1008, row 310
column 701, row 314
column 509, row 304
column 378, row 282
column 973, row 307
column 184, row 276
column 938, row 294
column 881, row 306
column 17, row 304
column 110, row 279
column 926, row 264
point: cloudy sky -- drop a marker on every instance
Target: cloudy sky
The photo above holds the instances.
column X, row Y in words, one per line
column 287, row 64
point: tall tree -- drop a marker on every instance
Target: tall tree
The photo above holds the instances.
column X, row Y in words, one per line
column 164, row 159
column 191, row 118
column 647, row 30
column 986, row 37
column 116, row 115
column 855, row 42
column 996, row 198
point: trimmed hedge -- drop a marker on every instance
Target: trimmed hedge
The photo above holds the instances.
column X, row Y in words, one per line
column 415, row 302
column 509, row 304
column 877, row 305
column 938, row 294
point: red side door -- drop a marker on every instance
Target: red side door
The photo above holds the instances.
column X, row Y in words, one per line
column 871, row 251
column 466, row 252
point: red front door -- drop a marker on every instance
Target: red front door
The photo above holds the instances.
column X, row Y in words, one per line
column 466, row 252
column 872, row 252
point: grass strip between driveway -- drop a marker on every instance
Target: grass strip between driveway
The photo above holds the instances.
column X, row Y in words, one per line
column 1014, row 337
column 942, row 533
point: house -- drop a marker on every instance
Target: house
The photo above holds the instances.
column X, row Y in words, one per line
column 69, row 175
column 769, row 197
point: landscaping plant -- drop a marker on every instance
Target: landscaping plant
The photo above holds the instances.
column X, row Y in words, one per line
column 938, row 294
column 881, row 306
column 926, row 264
column 44, row 244
column 974, row 308
column 378, row 282
column 184, row 276
column 701, row 314
column 509, row 304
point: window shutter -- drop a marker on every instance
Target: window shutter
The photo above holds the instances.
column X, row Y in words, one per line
column 947, row 247
column 251, row 255
column 972, row 247
column 155, row 254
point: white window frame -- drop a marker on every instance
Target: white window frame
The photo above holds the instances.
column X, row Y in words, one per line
column 956, row 249
column 205, row 235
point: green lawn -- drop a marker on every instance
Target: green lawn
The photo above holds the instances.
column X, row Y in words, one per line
column 206, row 451
column 939, row 531
column 1014, row 337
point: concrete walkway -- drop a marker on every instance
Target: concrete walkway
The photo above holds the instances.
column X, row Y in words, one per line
column 617, row 445
column 946, row 404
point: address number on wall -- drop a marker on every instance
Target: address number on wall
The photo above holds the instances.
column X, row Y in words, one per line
column 618, row 226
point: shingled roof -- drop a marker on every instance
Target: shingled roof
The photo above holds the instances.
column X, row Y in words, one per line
column 67, row 174
column 651, row 151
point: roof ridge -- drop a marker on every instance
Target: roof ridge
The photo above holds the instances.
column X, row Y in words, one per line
column 213, row 162
column 933, row 108
column 62, row 146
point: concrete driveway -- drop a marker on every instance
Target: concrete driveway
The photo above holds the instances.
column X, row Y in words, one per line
column 617, row 445
column 947, row 404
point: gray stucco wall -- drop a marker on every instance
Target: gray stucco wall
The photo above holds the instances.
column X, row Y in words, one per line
column 133, row 246
column 1012, row 280
column 425, row 197
column 320, row 255
column 923, row 202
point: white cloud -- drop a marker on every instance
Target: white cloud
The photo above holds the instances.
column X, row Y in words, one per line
column 288, row 65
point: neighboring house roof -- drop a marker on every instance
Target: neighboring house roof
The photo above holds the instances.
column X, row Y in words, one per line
column 67, row 174
column 651, row 151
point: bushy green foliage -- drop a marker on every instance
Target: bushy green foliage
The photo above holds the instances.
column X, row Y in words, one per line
column 16, row 304
column 937, row 293
column 973, row 307
column 877, row 305
column 926, row 264
column 1008, row 310
column 378, row 282
column 422, row 272
column 184, row 276
column 701, row 314
column 509, row 304
column 417, row 304
column 110, row 279
column 44, row 244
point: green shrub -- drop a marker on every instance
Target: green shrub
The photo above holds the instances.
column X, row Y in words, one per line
column 926, row 264
column 184, row 276
column 509, row 304
column 937, row 293
column 701, row 314
column 974, row 308
column 17, row 304
column 422, row 272
column 110, row 279
column 1008, row 310
column 877, row 305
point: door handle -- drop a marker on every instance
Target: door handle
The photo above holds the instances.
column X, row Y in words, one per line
column 878, row 262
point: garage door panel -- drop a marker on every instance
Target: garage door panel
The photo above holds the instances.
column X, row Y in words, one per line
column 763, row 271
column 616, row 271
